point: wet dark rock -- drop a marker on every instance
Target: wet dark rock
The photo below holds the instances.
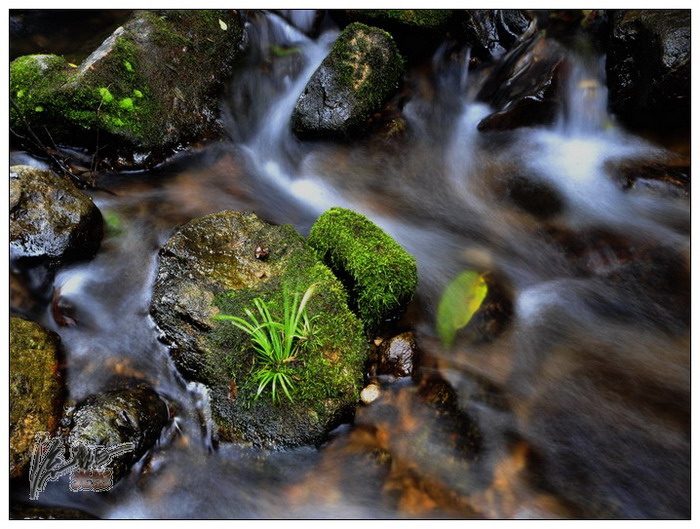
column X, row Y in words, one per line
column 357, row 77
column 523, row 87
column 648, row 67
column 492, row 32
column 123, row 415
column 210, row 267
column 50, row 219
column 36, row 389
column 417, row 31
column 660, row 177
column 21, row 300
column 151, row 86
column 40, row 512
column 397, row 355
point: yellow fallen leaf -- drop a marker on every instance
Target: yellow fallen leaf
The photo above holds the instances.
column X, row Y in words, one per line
column 223, row 25
column 460, row 300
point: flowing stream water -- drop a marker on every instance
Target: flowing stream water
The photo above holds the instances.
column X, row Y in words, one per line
column 582, row 402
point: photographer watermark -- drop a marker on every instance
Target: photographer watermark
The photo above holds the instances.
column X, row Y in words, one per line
column 87, row 464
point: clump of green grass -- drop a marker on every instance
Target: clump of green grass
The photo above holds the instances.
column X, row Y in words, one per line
column 276, row 344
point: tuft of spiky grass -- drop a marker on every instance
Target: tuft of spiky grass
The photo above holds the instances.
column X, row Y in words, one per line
column 276, row 344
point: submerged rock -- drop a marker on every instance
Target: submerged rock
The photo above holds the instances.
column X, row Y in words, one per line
column 648, row 67
column 123, row 415
column 380, row 275
column 151, row 85
column 214, row 265
column 50, row 219
column 36, row 390
column 530, row 194
column 357, row 77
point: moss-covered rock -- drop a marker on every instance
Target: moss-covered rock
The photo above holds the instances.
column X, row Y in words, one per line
column 219, row 264
column 36, row 391
column 152, row 84
column 417, row 31
column 357, row 77
column 50, row 219
column 380, row 275
column 127, row 414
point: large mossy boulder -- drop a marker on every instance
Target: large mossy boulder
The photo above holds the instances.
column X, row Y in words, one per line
column 132, row 413
column 151, row 85
column 36, row 390
column 379, row 274
column 218, row 265
column 50, row 219
column 648, row 67
column 360, row 73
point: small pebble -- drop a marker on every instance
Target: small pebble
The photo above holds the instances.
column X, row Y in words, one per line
column 370, row 394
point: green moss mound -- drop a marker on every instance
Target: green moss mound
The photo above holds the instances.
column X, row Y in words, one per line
column 329, row 365
column 380, row 274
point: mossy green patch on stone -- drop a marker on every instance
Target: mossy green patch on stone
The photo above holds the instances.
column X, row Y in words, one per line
column 144, row 86
column 381, row 276
column 35, row 388
column 362, row 67
column 413, row 18
column 209, row 267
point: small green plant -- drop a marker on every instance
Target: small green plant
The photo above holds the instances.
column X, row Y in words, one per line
column 276, row 344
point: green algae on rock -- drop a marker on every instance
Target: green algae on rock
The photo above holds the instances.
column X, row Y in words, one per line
column 381, row 276
column 36, row 391
column 357, row 77
column 152, row 84
column 214, row 265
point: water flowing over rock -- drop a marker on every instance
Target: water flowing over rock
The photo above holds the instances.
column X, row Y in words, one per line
column 362, row 70
column 152, row 84
column 219, row 264
column 36, row 389
column 128, row 414
column 50, row 219
column 648, row 67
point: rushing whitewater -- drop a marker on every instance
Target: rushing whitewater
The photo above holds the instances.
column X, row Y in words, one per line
column 589, row 383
